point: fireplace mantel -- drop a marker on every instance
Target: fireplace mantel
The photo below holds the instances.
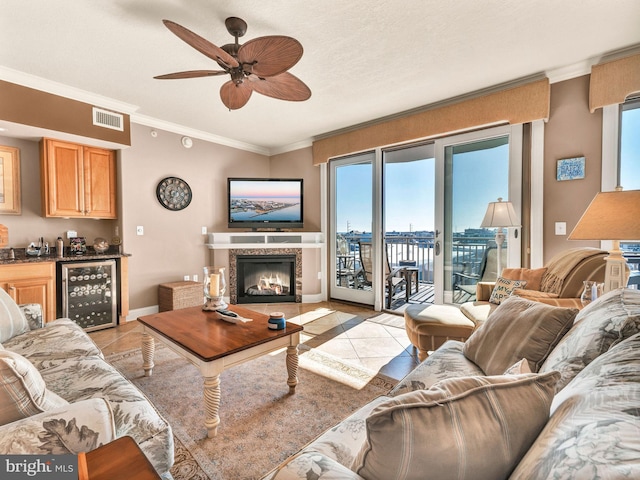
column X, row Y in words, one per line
column 229, row 240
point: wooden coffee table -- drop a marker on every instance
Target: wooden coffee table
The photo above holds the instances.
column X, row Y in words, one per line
column 214, row 345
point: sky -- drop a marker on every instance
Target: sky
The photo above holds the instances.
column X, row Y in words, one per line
column 409, row 192
column 479, row 176
column 630, row 149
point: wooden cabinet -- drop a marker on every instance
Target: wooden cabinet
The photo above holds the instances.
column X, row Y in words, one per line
column 78, row 181
column 31, row 283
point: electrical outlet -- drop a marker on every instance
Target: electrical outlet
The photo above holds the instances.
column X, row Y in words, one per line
column 139, row 230
column 195, row 278
column 186, row 278
column 204, row 230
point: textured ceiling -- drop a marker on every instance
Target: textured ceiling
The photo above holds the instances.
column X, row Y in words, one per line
column 363, row 59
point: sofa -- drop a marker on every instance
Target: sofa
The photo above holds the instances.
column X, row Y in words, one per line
column 59, row 396
column 538, row 391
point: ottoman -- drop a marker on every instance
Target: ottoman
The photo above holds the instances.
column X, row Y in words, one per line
column 429, row 326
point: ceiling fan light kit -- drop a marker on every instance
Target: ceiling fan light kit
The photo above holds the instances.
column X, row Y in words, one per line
column 259, row 65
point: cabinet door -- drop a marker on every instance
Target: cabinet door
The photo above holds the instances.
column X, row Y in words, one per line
column 99, row 183
column 31, row 283
column 28, row 291
column 63, row 179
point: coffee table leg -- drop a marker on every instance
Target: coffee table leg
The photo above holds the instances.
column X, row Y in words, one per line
column 148, row 349
column 212, row 404
column 292, row 367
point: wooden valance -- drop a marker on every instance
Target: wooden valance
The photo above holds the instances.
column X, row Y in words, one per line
column 612, row 82
column 520, row 104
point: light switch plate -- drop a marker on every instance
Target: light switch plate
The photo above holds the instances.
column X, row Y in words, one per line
column 204, row 230
column 139, row 230
column 561, row 228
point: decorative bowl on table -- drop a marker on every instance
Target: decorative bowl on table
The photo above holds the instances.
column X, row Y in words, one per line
column 100, row 245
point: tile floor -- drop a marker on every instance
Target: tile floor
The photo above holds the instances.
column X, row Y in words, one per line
column 334, row 328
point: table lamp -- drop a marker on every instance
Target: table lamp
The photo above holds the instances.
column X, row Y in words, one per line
column 499, row 215
column 611, row 216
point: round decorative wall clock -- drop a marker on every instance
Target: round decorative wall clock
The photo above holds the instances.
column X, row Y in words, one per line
column 173, row 193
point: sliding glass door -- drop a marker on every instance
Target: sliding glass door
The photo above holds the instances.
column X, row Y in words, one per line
column 418, row 209
column 409, row 235
column 476, row 169
column 352, row 243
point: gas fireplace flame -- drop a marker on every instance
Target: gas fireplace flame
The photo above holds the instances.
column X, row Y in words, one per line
column 270, row 283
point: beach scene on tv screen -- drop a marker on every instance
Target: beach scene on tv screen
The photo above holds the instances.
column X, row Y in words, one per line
column 252, row 201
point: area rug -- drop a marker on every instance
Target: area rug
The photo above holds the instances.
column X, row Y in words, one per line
column 261, row 424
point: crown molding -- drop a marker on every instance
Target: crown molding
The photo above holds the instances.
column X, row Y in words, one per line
column 571, row 71
column 291, row 147
column 55, row 88
column 194, row 133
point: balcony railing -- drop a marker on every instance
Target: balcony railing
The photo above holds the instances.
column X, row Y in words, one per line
column 418, row 250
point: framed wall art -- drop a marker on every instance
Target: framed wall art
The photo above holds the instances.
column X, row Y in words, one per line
column 10, row 181
column 570, row 169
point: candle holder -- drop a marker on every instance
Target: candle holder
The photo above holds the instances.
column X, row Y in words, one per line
column 214, row 287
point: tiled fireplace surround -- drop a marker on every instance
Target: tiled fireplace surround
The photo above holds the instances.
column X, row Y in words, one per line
column 233, row 254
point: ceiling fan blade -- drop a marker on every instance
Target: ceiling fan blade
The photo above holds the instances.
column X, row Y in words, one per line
column 235, row 96
column 191, row 74
column 202, row 45
column 270, row 56
column 284, row 87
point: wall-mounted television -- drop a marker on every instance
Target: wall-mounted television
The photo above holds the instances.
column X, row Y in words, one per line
column 265, row 202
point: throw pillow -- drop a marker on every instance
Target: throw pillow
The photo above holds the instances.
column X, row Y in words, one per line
column 461, row 428
column 519, row 368
column 22, row 390
column 12, row 320
column 503, row 289
column 603, row 323
column 533, row 277
column 517, row 329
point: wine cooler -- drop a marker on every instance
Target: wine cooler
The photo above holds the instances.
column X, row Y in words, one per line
column 88, row 293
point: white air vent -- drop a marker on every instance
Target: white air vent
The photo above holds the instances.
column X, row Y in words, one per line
column 107, row 119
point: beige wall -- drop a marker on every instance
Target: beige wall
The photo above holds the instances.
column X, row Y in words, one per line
column 572, row 131
column 172, row 245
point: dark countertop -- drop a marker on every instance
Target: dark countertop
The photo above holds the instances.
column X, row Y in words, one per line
column 22, row 257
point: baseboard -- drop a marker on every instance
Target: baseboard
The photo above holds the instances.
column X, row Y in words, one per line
column 139, row 312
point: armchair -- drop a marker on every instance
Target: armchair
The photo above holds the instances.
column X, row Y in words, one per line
column 561, row 284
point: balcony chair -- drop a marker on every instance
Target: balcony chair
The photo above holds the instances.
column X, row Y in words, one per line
column 345, row 262
column 472, row 273
column 394, row 277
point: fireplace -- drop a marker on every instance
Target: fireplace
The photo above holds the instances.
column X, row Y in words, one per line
column 265, row 278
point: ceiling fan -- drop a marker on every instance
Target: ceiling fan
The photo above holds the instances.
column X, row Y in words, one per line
column 260, row 65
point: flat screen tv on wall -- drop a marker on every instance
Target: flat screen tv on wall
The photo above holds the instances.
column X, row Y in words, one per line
column 265, row 203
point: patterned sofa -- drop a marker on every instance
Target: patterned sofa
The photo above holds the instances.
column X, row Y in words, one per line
column 58, row 395
column 539, row 391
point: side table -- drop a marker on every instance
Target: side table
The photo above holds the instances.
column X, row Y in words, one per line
column 121, row 458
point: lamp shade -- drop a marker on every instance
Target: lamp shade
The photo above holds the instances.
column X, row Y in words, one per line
column 500, row 214
column 610, row 216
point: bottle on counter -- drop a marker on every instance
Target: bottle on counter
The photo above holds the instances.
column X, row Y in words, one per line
column 59, row 247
